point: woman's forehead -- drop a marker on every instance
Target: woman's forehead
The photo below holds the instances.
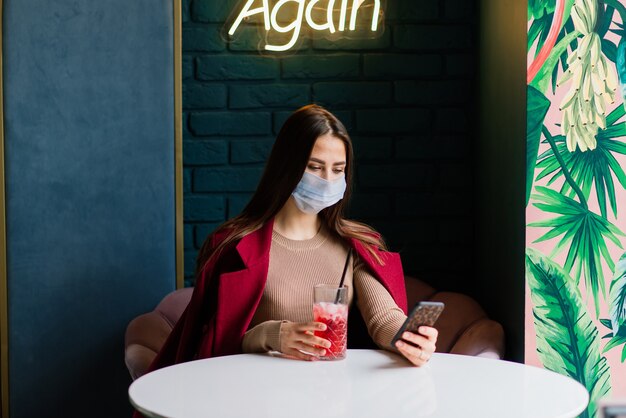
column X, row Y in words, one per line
column 329, row 148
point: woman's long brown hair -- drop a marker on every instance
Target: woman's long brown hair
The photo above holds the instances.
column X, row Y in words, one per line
column 284, row 169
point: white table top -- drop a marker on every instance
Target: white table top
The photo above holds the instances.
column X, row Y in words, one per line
column 368, row 383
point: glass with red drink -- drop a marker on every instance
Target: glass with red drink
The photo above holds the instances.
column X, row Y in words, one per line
column 330, row 307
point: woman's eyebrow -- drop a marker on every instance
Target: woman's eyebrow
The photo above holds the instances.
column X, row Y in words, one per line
column 324, row 162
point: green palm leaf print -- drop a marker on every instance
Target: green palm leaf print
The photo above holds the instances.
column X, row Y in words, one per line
column 585, row 231
column 567, row 339
column 617, row 296
column 594, row 167
column 536, row 108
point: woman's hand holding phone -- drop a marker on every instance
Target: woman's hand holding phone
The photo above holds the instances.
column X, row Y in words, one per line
column 418, row 348
column 417, row 339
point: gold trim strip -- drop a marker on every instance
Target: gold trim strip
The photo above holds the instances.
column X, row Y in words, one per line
column 4, row 301
column 178, row 143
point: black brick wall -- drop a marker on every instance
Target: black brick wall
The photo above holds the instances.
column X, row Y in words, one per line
column 407, row 99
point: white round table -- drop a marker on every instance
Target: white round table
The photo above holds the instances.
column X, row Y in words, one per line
column 368, row 383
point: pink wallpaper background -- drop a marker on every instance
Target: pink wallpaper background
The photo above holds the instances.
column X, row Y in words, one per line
column 552, row 122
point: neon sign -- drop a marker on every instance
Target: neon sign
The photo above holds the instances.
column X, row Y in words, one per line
column 271, row 21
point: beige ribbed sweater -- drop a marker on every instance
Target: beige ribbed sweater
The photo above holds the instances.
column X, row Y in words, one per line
column 294, row 268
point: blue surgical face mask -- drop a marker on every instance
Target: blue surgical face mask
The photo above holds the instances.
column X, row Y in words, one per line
column 313, row 193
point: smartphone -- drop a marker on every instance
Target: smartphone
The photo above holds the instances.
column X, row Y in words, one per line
column 423, row 313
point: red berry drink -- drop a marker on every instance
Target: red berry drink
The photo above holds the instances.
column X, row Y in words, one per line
column 335, row 316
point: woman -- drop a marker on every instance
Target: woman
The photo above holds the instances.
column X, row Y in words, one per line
column 255, row 273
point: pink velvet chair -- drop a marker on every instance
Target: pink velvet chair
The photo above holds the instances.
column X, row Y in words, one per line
column 464, row 328
column 146, row 334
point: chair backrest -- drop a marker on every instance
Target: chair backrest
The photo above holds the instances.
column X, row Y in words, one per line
column 147, row 333
column 463, row 326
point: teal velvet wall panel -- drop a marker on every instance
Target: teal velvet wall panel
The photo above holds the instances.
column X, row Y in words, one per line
column 89, row 140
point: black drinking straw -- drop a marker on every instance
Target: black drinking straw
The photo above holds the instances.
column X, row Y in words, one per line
column 343, row 275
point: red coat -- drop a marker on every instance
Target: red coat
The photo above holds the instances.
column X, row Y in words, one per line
column 226, row 297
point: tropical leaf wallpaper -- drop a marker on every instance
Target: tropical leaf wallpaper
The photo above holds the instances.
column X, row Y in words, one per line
column 576, row 193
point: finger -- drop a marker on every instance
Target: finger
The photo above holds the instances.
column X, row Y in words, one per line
column 314, row 341
column 310, row 338
column 299, row 345
column 297, row 354
column 409, row 349
column 429, row 332
column 311, row 326
column 419, row 340
column 411, row 353
column 302, row 351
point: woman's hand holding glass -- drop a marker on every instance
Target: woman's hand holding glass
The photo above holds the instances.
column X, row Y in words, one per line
column 420, row 347
column 297, row 340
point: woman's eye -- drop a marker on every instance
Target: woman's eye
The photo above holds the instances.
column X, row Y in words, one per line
column 314, row 167
column 338, row 170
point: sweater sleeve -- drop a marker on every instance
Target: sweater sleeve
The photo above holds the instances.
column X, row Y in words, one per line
column 262, row 338
column 380, row 312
